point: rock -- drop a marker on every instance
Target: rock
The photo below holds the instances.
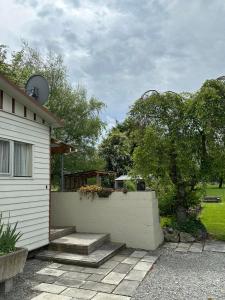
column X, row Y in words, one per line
column 201, row 234
column 171, row 235
column 186, row 237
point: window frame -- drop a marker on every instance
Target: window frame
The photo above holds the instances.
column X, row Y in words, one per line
column 21, row 176
column 11, row 160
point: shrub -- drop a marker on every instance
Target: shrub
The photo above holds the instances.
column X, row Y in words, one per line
column 191, row 225
column 130, row 186
column 8, row 237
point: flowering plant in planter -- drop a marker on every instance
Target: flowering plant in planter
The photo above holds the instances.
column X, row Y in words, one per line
column 95, row 189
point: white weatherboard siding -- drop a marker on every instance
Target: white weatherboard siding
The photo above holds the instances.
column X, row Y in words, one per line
column 26, row 200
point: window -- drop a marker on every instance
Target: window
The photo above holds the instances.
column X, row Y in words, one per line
column 4, row 157
column 13, row 105
column 25, row 112
column 15, row 158
column 22, row 160
column 1, row 99
column 35, row 117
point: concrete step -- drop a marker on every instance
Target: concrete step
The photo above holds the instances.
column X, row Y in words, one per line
column 58, row 232
column 80, row 243
column 95, row 259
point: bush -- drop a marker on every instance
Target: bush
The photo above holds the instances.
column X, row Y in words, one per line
column 8, row 238
column 192, row 225
column 130, row 186
column 167, row 205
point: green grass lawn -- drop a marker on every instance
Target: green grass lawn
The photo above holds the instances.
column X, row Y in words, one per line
column 213, row 214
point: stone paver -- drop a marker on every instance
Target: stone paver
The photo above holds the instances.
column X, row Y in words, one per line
column 96, row 277
column 71, row 268
column 127, row 288
column 183, row 247
column 143, row 266
column 69, row 282
column 50, row 288
column 130, row 260
column 123, row 268
column 47, row 296
column 113, row 278
column 149, row 258
column 55, row 266
column 96, row 271
column 215, row 246
column 196, row 248
column 79, row 293
column 75, row 275
column 111, row 264
column 118, row 258
column 44, row 278
column 103, row 296
column 136, row 275
column 51, row 272
column 98, row 286
column 138, row 254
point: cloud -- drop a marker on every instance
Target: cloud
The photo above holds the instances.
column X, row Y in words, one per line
column 119, row 49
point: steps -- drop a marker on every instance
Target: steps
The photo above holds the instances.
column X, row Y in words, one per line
column 83, row 249
column 58, row 232
column 81, row 243
column 95, row 259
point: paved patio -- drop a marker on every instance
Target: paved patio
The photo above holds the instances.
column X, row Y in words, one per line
column 174, row 271
column 117, row 279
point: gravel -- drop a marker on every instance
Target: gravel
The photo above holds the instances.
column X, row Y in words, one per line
column 24, row 282
column 185, row 276
column 175, row 276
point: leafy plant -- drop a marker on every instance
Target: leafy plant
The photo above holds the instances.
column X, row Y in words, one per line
column 95, row 189
column 8, row 237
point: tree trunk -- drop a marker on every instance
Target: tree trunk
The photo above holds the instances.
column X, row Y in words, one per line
column 181, row 214
column 221, row 183
column 181, row 211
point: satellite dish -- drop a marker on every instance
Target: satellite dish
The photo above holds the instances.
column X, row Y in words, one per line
column 38, row 88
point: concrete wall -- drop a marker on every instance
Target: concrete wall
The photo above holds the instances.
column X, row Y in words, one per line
column 132, row 218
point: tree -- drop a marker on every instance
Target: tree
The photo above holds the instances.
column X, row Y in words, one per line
column 116, row 149
column 181, row 134
column 167, row 150
column 81, row 114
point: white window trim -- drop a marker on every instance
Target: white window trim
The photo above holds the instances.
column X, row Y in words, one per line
column 11, row 162
column 10, row 158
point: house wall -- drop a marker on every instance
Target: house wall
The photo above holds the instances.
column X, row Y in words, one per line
column 26, row 200
column 132, row 218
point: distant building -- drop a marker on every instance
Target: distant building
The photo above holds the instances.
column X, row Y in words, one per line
column 120, row 182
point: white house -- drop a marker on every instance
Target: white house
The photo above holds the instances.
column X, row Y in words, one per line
column 25, row 128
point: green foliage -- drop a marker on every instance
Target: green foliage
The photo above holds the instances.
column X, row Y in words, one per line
column 181, row 141
column 115, row 149
column 130, row 185
column 192, row 225
column 80, row 113
column 8, row 238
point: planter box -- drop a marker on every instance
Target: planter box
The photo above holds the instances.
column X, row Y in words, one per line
column 12, row 264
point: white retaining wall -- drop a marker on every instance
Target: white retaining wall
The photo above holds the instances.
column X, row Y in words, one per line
column 132, row 218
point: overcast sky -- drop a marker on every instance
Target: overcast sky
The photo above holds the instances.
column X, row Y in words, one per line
column 119, row 49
